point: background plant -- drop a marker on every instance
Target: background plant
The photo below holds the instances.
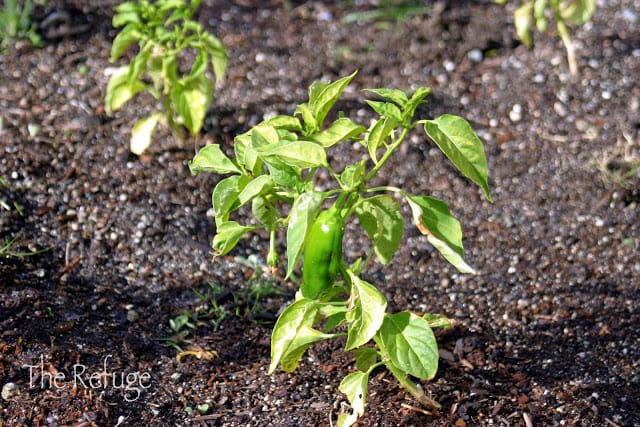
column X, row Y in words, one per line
column 389, row 10
column 15, row 24
column 539, row 12
column 164, row 31
column 275, row 171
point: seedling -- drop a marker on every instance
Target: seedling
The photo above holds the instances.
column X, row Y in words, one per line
column 7, row 244
column 538, row 13
column 620, row 165
column 165, row 31
column 276, row 171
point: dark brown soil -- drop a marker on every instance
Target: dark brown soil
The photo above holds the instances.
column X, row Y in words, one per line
column 547, row 331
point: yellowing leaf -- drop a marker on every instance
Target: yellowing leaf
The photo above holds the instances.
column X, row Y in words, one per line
column 141, row 133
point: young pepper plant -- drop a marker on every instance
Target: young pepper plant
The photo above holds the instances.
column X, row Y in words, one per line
column 564, row 12
column 164, row 30
column 275, row 171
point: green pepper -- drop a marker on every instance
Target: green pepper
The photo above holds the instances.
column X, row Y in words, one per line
column 322, row 253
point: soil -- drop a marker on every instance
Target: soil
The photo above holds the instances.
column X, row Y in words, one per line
column 546, row 333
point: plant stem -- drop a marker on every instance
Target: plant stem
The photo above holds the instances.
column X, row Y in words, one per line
column 387, row 155
column 566, row 38
column 386, row 188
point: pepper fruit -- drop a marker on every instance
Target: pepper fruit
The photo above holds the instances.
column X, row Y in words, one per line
column 322, row 253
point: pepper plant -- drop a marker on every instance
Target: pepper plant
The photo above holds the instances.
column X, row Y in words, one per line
column 15, row 23
column 275, row 171
column 164, row 31
column 564, row 12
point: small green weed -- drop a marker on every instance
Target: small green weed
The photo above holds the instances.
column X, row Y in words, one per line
column 620, row 165
column 218, row 304
column 15, row 25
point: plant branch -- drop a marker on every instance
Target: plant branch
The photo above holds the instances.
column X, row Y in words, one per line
column 387, row 154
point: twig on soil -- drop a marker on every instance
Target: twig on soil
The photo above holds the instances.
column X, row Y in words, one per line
column 416, row 409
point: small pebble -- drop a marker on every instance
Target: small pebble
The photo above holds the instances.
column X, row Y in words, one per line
column 132, row 316
column 10, row 391
column 560, row 109
column 516, row 113
column 325, row 16
column 475, row 55
column 449, row 66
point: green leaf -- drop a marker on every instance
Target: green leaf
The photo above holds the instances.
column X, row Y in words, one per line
column 155, row 69
column 522, row 21
column 340, row 130
column 457, row 140
column 228, row 235
column 365, row 358
column 191, row 98
column 199, row 66
column 335, row 315
column 170, row 67
column 386, row 109
column 378, row 134
column 301, row 154
column 219, row 55
column 138, row 65
column 257, row 187
column 264, row 212
column 240, row 144
column 141, row 133
column 381, row 218
column 303, row 212
column 410, row 344
column 263, row 135
column 539, row 14
column 165, row 5
column 120, row 89
column 433, row 219
column 123, row 40
column 416, row 100
column 293, row 333
column 219, row 62
column 128, row 6
column 355, row 387
column 577, row 11
column 310, row 124
column 126, row 13
column 225, row 196
column 284, row 122
column 353, row 175
column 322, row 97
column 395, row 95
column 283, row 174
column 246, row 155
column 212, row 159
column 366, row 312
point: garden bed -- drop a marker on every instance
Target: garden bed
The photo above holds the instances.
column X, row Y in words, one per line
column 545, row 333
